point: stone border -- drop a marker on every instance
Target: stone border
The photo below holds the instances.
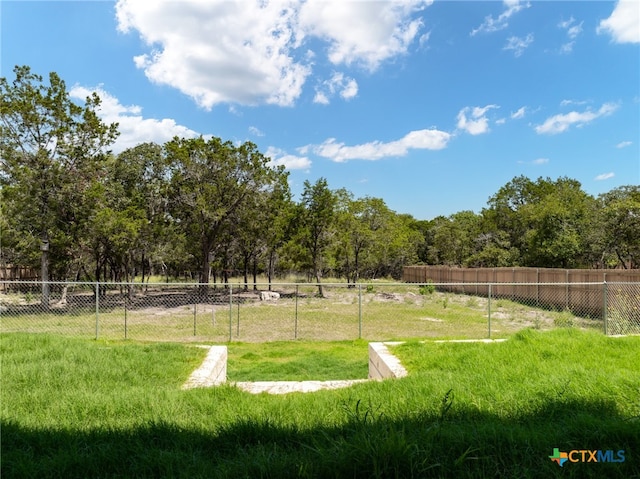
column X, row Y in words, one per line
column 284, row 387
column 213, row 372
column 383, row 364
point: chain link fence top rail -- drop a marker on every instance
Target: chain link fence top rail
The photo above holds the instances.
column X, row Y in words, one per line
column 290, row 311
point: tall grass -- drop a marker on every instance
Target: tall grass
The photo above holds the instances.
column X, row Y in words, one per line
column 82, row 408
column 297, row 361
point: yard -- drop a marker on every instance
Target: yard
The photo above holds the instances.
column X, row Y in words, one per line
column 74, row 407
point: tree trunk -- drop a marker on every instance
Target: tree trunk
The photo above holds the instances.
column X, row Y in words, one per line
column 255, row 273
column 44, row 271
column 270, row 269
column 318, row 278
column 245, row 267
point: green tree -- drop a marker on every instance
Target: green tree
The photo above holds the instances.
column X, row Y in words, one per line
column 53, row 154
column 211, row 181
column 139, row 182
column 455, row 238
column 619, row 220
column 396, row 244
column 546, row 222
column 277, row 222
column 317, row 216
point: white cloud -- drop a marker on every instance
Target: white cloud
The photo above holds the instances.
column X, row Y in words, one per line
column 133, row 127
column 518, row 45
column 519, row 114
column 536, row 162
column 474, row 120
column 363, row 32
column 346, row 87
column 501, row 22
column 290, row 162
column 219, row 51
column 428, row 139
column 562, row 122
column 604, row 176
column 624, row 144
column 624, row 23
column 573, row 29
column 253, row 51
column 255, row 131
column 540, row 161
column 572, row 102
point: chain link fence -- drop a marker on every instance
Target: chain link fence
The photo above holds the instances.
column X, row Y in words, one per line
column 336, row 311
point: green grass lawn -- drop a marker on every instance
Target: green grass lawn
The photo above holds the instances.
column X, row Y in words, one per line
column 298, row 361
column 386, row 312
column 85, row 408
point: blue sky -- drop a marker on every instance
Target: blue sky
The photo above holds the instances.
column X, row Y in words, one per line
column 431, row 106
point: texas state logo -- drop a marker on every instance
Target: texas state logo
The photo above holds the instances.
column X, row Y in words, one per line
column 585, row 455
column 559, row 457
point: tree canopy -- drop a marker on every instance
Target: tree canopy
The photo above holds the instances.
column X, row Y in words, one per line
column 209, row 207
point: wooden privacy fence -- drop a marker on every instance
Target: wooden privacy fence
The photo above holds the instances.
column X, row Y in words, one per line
column 582, row 291
column 17, row 273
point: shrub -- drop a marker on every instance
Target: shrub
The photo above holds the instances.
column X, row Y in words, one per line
column 428, row 288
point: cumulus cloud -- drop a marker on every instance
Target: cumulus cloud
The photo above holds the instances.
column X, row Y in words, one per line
column 562, row 122
column 474, row 120
column 428, row 139
column 253, row 52
column 624, row 22
column 133, row 127
column 346, row 87
column 365, row 33
column 493, row 24
column 604, row 176
column 624, row 144
column 518, row 45
column 290, row 162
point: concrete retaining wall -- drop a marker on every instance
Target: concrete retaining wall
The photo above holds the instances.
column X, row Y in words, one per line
column 213, row 371
column 383, row 364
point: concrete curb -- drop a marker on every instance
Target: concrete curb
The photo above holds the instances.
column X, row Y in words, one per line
column 213, row 372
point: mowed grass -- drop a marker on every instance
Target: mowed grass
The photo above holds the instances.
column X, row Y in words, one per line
column 85, row 408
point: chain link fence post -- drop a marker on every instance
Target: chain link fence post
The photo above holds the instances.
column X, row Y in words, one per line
column 126, row 299
column 230, row 312
column 359, row 311
column 97, row 310
column 489, row 311
column 295, row 327
column 195, row 312
column 605, row 307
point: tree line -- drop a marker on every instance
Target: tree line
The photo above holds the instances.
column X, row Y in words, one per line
column 210, row 207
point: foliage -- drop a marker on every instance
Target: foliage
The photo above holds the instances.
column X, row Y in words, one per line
column 199, row 207
column 53, row 163
column 427, row 289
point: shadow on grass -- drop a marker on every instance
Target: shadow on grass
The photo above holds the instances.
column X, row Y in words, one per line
column 452, row 444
